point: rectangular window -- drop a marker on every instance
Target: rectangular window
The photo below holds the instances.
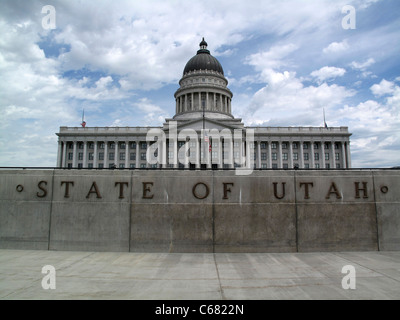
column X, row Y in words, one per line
column 80, row 145
column 143, row 145
column 143, row 165
column 70, row 156
column 273, row 145
column 91, row 145
column 284, row 156
column 284, row 145
column 112, row 145
column 306, row 156
column 122, row 145
column 326, row 156
column 80, row 156
column 263, row 166
column 90, row 155
column 122, row 156
column 80, row 166
column 170, row 154
column 101, row 145
column 295, row 145
column 263, row 145
column 133, row 145
column 263, row 156
column 101, row 156
column 337, row 157
column 111, row 156
column 274, row 156
column 305, row 145
column 132, row 166
column 90, row 165
column 316, row 146
column 143, row 156
column 306, row 166
column 101, row 166
column 295, row 156
column 317, row 166
column 121, row 166
column 133, row 156
column 316, row 156
column 274, row 166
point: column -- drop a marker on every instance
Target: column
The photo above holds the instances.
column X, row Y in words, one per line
column 290, row 154
column 95, row 155
column 220, row 103
column 323, row 166
column 220, row 164
column 344, row 164
column 207, row 103
column 186, row 104
column 84, row 164
column 333, row 162
column 200, row 106
column 186, row 158
column 258, row 155
column 230, row 155
column 105, row 154
column 192, row 102
column 116, row 155
column 137, row 165
column 269, row 155
column 176, row 106
column 280, row 163
column 59, row 161
column 126, row 154
column 64, row 156
column 175, row 150
column 74, row 156
column 198, row 152
column 348, row 155
column 312, row 155
column 226, row 104
column 301, row 154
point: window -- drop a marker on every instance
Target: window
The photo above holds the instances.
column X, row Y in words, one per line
column 263, row 145
column 273, row 145
column 122, row 145
column 295, row 156
column 263, row 166
column 90, row 165
column 316, row 156
column 143, row 145
column 326, row 156
column 70, row 156
column 295, row 145
column 132, row 166
column 69, row 165
column 336, row 145
column 170, row 154
column 121, row 166
column 143, row 165
column 101, row 156
column 274, row 156
column 215, row 155
column 284, row 145
column 112, row 145
column 133, row 145
column 70, row 145
column 80, row 156
column 122, row 156
column 326, row 146
column 337, row 157
column 306, row 156
column 305, row 145
column 143, row 156
column 91, row 145
column 337, row 165
column 316, row 146
column 80, row 166
column 263, row 156
column 132, row 156
column 80, row 145
column 111, row 156
column 101, row 145
column 101, row 166
column 317, row 166
column 285, row 166
column 306, row 166
column 90, row 155
column 284, row 156
column 274, row 166
column 327, row 166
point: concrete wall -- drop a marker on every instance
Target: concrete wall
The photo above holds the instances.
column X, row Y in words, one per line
column 200, row 211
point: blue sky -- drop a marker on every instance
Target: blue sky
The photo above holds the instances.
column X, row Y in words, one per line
column 121, row 61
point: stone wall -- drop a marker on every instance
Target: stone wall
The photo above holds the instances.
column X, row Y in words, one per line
column 200, row 211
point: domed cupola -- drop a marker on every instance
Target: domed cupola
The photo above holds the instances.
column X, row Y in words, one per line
column 203, row 60
column 203, row 88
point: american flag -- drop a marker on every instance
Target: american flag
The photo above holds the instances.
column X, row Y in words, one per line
column 206, row 139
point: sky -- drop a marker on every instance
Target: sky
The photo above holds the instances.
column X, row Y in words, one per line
column 286, row 61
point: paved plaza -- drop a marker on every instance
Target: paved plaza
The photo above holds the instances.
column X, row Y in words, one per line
column 189, row 276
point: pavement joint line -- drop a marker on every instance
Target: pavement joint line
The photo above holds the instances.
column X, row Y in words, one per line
column 379, row 272
column 219, row 280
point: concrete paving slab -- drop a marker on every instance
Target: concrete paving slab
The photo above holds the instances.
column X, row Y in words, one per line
column 198, row 276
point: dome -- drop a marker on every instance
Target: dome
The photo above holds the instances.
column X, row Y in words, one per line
column 203, row 61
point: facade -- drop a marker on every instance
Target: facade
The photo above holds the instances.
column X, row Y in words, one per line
column 204, row 134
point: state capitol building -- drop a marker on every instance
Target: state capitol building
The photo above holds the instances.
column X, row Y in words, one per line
column 203, row 106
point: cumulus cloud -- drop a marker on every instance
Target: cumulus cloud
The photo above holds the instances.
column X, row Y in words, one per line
column 384, row 87
column 336, row 47
column 327, row 73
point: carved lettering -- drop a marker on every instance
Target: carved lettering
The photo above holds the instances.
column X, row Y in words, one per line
column 333, row 189
column 358, row 189
column 276, row 191
column 121, row 188
column 42, row 188
column 67, row 183
column 306, row 190
column 94, row 189
column 196, row 194
column 226, row 189
column 147, row 189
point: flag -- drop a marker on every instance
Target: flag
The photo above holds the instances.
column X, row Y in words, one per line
column 83, row 124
